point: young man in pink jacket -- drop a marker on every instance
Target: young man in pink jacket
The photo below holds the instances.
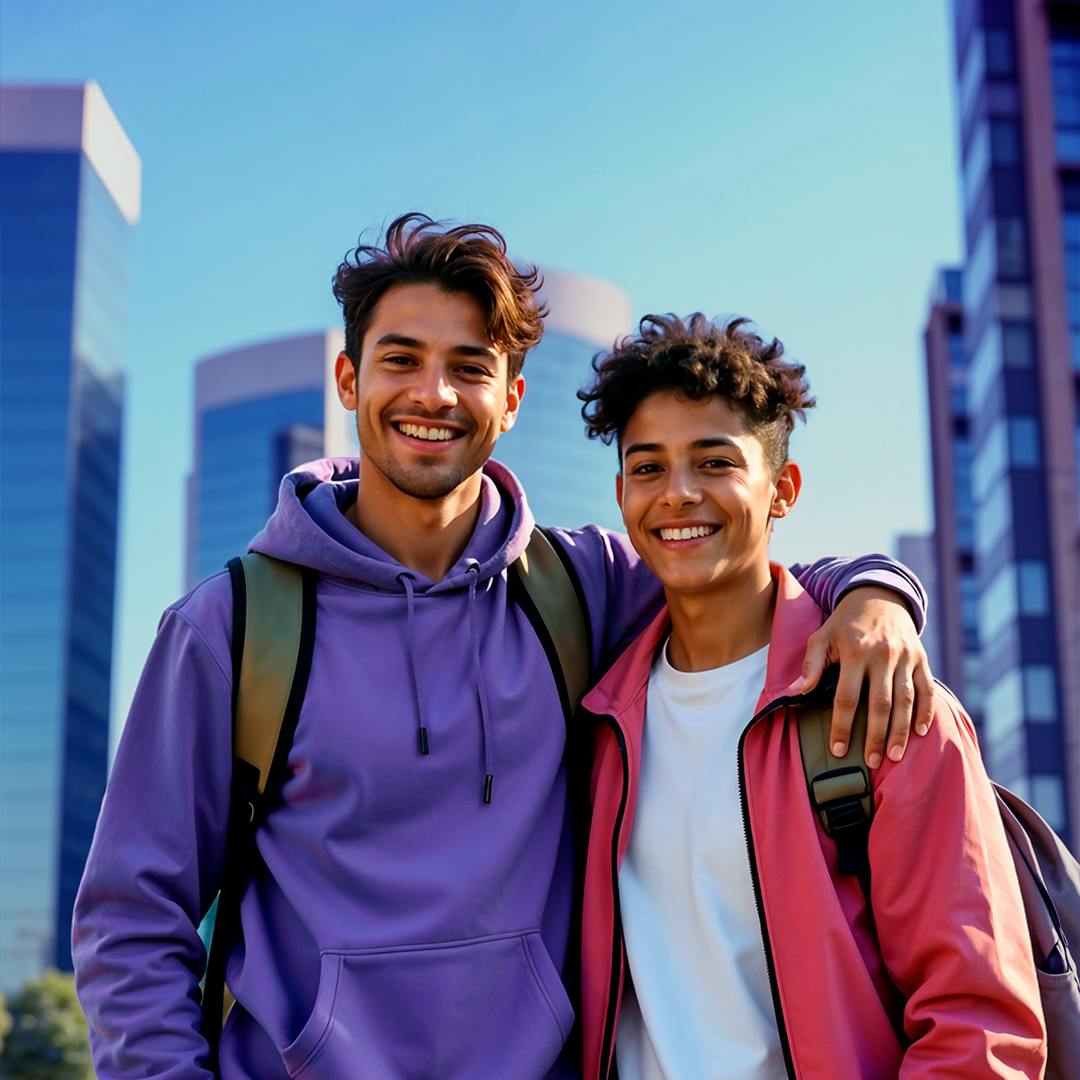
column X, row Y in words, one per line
column 720, row 937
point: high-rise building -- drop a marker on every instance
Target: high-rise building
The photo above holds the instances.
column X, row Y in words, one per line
column 1018, row 78
column 69, row 196
column 954, row 594
column 260, row 411
column 569, row 479
column 919, row 552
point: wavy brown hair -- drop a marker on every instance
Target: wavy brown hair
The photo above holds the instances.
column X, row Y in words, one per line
column 696, row 358
column 471, row 259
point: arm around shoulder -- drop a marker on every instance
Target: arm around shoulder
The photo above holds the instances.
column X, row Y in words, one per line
column 154, row 864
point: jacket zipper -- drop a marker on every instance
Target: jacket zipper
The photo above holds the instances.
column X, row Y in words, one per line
column 607, row 1046
column 781, row 1026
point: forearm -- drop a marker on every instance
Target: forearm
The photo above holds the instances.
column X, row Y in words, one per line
column 828, row 579
column 153, row 868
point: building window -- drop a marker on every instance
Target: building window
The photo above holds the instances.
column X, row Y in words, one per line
column 971, row 77
column 973, row 697
column 985, row 365
column 1024, row 442
column 1000, row 54
column 976, row 166
column 1034, row 587
column 1003, row 706
column 990, row 462
column 1048, row 797
column 992, row 518
column 997, row 606
column 1040, row 694
column 1065, row 76
column 1017, row 344
column 1004, row 141
column 1070, row 227
column 1011, row 247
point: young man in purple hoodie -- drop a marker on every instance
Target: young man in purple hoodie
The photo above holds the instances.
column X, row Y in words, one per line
column 411, row 908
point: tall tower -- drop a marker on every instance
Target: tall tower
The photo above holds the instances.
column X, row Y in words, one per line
column 568, row 479
column 954, row 595
column 69, row 196
column 260, row 410
column 1018, row 77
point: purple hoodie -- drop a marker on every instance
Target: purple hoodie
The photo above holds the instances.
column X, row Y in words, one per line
column 399, row 926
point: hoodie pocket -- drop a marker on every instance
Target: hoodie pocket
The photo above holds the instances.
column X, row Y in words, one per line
column 491, row 1006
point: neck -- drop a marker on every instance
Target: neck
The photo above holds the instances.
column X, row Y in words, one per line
column 719, row 626
column 426, row 535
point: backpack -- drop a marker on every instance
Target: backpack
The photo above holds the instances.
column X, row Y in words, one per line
column 273, row 638
column 1049, row 876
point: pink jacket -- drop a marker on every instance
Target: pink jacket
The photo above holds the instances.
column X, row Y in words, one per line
column 945, row 985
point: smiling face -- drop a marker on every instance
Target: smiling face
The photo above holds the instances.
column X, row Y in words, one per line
column 697, row 492
column 431, row 393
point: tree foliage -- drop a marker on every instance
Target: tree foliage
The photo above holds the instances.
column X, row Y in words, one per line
column 47, row 1037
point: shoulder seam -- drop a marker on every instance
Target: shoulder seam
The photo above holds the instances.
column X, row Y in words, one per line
column 202, row 641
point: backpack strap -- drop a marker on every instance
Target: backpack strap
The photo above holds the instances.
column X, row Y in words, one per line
column 273, row 637
column 545, row 585
column 839, row 788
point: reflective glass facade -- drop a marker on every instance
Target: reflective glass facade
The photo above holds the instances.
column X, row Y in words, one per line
column 569, row 480
column 63, row 288
column 244, row 448
column 1003, row 478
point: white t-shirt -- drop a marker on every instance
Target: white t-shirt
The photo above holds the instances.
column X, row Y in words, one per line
column 700, row 1003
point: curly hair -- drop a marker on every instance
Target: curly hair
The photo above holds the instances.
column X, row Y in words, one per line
column 471, row 259
column 696, row 358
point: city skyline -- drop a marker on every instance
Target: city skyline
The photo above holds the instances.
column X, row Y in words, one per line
column 807, row 180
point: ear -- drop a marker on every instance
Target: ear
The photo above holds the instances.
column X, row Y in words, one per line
column 345, row 377
column 788, row 484
column 618, row 488
column 515, row 391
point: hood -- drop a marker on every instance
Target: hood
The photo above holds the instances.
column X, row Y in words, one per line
column 309, row 528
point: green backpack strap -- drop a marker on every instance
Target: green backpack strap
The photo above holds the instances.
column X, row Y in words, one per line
column 839, row 788
column 273, row 637
column 545, row 585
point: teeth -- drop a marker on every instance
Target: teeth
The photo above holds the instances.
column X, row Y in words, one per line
column 434, row 434
column 691, row 533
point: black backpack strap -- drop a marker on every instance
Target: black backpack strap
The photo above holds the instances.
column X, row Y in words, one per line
column 545, row 585
column 273, row 638
column 839, row 788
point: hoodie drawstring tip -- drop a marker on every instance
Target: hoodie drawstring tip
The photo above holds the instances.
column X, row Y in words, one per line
column 421, row 738
column 488, row 780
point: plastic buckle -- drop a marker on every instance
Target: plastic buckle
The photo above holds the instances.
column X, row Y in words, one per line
column 844, row 814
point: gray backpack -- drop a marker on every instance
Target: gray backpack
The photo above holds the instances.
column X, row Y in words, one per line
column 1049, row 876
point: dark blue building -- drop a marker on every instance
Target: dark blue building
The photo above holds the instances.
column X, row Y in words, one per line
column 69, row 195
column 1004, row 405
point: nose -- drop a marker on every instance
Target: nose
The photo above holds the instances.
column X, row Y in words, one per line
column 432, row 391
column 680, row 489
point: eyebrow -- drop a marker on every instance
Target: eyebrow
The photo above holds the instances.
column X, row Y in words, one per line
column 415, row 343
column 697, row 444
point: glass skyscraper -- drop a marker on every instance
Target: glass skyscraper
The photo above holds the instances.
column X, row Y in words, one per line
column 569, row 480
column 69, row 196
column 260, row 411
column 1004, row 404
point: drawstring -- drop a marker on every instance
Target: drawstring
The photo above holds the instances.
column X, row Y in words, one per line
column 481, row 688
column 421, row 731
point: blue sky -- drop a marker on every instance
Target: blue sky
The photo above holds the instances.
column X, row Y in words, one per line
column 791, row 162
